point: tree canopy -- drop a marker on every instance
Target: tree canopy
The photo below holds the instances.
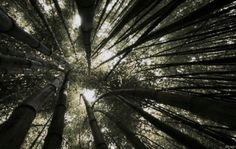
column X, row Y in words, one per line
column 117, row 74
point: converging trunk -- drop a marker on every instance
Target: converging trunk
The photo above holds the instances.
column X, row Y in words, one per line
column 14, row 130
column 219, row 111
column 97, row 134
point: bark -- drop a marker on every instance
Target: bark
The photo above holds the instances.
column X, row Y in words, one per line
column 219, row 48
column 105, row 18
column 162, row 14
column 96, row 132
column 180, row 137
column 40, row 133
column 219, row 61
column 14, row 130
column 134, row 140
column 136, row 28
column 45, row 21
column 59, row 12
column 55, row 132
column 101, row 17
column 8, row 26
column 219, row 111
column 193, row 18
column 134, row 10
column 197, row 126
column 86, row 10
column 19, row 63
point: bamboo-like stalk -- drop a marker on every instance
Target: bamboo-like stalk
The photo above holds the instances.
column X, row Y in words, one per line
column 180, row 137
column 10, row 27
column 54, row 136
column 19, row 63
column 218, row 111
column 134, row 140
column 97, row 134
column 86, row 10
column 14, row 130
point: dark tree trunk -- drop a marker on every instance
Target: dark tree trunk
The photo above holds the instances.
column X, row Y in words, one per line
column 86, row 10
column 14, row 130
column 219, row 111
column 135, row 141
column 180, row 137
column 54, row 136
column 9, row 27
column 96, row 132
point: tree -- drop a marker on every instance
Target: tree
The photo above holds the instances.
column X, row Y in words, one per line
column 164, row 72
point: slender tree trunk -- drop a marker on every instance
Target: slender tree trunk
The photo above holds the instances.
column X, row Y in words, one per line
column 40, row 133
column 131, row 13
column 14, row 130
column 219, row 111
column 19, row 63
column 197, row 126
column 193, row 18
column 9, row 27
column 180, row 137
column 59, row 11
column 86, row 10
column 97, row 134
column 54, row 137
column 135, row 141
column 45, row 21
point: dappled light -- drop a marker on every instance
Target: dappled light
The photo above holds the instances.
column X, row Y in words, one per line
column 76, row 22
column 117, row 74
column 89, row 94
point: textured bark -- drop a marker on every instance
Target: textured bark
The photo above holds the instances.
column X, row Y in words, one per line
column 14, row 130
column 180, row 137
column 9, row 27
column 86, row 10
column 134, row 140
column 197, row 16
column 96, row 132
column 19, row 63
column 45, row 21
column 197, row 126
column 54, row 136
column 59, row 12
column 219, row 111
column 131, row 13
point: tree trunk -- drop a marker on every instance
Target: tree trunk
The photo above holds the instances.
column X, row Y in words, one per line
column 86, row 10
column 59, row 12
column 19, row 63
column 135, row 141
column 14, row 130
column 54, row 137
column 97, row 134
column 219, row 111
column 9, row 27
column 45, row 21
column 180, row 137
